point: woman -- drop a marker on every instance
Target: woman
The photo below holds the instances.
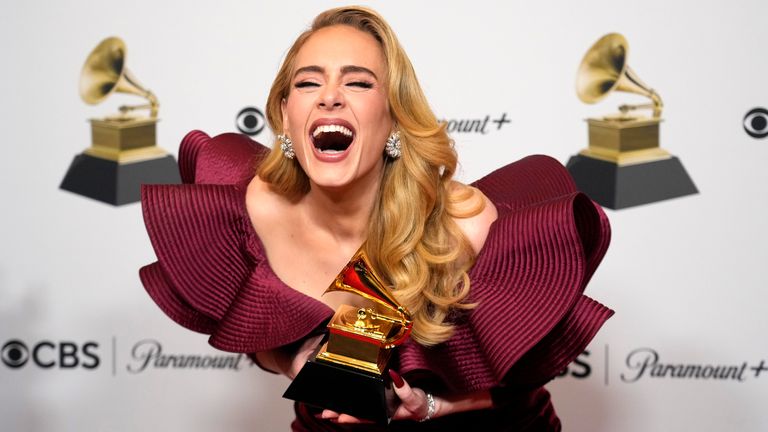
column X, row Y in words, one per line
column 491, row 274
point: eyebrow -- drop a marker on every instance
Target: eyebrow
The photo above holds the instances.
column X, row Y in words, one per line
column 344, row 70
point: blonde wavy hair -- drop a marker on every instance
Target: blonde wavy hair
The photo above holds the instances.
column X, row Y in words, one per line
column 413, row 240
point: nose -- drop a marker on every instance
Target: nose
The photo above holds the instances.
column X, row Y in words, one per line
column 330, row 98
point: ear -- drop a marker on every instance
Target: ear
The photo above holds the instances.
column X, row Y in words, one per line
column 286, row 126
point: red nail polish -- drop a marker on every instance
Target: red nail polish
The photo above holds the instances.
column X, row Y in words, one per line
column 397, row 380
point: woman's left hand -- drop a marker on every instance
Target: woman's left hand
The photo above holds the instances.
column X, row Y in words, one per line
column 414, row 404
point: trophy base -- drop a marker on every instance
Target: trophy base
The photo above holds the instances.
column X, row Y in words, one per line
column 616, row 187
column 344, row 390
column 115, row 183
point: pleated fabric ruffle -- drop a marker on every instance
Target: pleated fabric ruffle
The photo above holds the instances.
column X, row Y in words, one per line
column 211, row 275
column 532, row 318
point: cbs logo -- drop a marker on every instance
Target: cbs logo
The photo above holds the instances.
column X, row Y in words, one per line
column 48, row 354
column 250, row 121
column 756, row 123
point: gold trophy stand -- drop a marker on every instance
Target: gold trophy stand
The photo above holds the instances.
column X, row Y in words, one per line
column 625, row 167
column 344, row 389
column 122, row 158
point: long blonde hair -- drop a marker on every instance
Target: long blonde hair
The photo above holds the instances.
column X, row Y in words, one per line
column 413, row 241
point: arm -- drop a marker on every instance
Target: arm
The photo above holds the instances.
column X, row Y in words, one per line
column 414, row 405
column 289, row 360
column 467, row 402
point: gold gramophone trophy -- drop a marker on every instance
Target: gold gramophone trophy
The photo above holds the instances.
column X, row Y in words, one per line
column 624, row 165
column 348, row 371
column 123, row 154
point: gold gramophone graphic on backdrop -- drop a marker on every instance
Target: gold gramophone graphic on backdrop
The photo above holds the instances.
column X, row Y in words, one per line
column 123, row 154
column 624, row 165
column 347, row 372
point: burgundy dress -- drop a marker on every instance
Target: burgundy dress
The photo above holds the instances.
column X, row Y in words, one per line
column 212, row 276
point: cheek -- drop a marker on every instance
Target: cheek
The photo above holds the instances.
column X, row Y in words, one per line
column 295, row 115
column 379, row 113
column 383, row 104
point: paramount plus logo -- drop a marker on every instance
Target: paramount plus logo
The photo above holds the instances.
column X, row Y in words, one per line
column 646, row 363
column 149, row 353
column 480, row 125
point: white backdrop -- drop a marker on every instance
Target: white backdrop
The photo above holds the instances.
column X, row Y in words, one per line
column 686, row 276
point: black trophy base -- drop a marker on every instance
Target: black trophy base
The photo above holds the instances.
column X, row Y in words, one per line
column 344, row 390
column 618, row 187
column 117, row 184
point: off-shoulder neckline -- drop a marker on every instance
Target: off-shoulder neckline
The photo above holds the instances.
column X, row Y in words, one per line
column 256, row 248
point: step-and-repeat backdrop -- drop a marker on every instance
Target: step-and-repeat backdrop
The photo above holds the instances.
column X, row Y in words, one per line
column 84, row 348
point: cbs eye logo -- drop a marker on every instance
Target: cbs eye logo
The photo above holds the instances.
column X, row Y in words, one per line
column 250, row 121
column 756, row 123
column 14, row 354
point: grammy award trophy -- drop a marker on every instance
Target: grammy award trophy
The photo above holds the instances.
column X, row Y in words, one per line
column 348, row 371
column 624, row 165
column 123, row 154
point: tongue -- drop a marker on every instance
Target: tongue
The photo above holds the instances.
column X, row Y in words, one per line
column 332, row 141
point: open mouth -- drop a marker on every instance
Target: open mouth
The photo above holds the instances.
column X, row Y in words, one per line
column 332, row 138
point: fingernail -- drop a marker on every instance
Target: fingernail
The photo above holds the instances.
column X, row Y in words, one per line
column 397, row 380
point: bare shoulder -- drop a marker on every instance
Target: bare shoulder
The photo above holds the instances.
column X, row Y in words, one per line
column 474, row 213
column 263, row 204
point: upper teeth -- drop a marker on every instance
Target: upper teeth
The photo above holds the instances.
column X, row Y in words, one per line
column 331, row 128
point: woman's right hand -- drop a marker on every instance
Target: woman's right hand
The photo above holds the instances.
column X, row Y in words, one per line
column 294, row 364
column 288, row 362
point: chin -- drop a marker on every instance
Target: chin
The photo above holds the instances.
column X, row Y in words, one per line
column 331, row 177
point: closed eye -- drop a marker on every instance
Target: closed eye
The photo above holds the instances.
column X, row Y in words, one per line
column 306, row 84
column 361, row 84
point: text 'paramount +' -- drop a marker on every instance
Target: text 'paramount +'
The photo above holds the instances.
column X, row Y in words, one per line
column 481, row 125
column 646, row 363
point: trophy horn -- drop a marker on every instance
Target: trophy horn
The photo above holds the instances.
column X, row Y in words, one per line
column 358, row 277
column 104, row 73
column 604, row 69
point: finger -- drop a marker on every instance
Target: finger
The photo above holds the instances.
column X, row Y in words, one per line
column 403, row 413
column 346, row 418
column 328, row 414
column 411, row 399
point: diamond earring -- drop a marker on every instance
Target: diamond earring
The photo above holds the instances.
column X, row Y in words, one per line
column 286, row 145
column 392, row 148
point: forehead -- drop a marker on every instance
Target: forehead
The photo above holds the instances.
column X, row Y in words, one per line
column 341, row 45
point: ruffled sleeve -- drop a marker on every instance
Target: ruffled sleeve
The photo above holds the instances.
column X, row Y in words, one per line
column 212, row 275
column 227, row 159
column 532, row 318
